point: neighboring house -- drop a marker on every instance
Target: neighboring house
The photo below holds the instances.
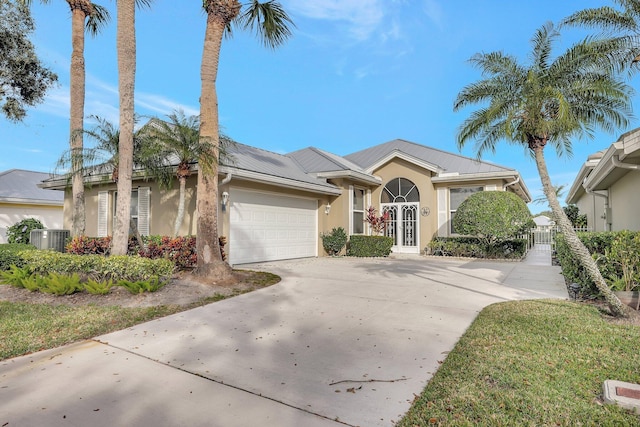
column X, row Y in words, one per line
column 606, row 188
column 20, row 198
column 543, row 223
column 274, row 206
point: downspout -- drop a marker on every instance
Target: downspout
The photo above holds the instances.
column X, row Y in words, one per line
column 517, row 180
column 617, row 163
column 226, row 179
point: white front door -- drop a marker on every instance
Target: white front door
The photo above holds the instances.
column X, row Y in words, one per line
column 403, row 226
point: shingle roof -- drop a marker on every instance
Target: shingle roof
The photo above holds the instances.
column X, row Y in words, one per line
column 18, row 184
column 449, row 162
column 266, row 162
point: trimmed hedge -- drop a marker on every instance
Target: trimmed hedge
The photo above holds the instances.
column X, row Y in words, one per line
column 124, row 267
column 10, row 255
column 474, row 247
column 369, row 246
column 335, row 241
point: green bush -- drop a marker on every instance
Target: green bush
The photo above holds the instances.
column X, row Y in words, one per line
column 600, row 246
column 476, row 248
column 369, row 246
column 58, row 284
column 493, row 216
column 141, row 286
column 10, row 255
column 21, row 231
column 334, row 241
column 98, row 267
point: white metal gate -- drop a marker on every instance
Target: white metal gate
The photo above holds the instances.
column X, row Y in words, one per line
column 403, row 226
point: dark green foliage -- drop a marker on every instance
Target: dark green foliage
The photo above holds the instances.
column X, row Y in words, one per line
column 10, row 255
column 600, row 246
column 21, row 231
column 335, row 241
column 369, row 246
column 493, row 216
column 573, row 214
column 475, row 248
column 23, row 79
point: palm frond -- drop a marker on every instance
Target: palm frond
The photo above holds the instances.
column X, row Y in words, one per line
column 269, row 20
column 97, row 19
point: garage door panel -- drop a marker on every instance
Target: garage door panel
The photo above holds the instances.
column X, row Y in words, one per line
column 270, row 227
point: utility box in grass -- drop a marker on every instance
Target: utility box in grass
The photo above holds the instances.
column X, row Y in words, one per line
column 49, row 239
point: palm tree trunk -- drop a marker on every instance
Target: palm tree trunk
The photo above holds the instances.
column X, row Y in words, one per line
column 210, row 263
column 77, row 91
column 575, row 244
column 180, row 217
column 126, row 46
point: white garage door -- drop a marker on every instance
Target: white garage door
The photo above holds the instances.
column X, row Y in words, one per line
column 268, row 227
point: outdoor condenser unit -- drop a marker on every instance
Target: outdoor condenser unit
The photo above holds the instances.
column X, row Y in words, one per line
column 49, row 239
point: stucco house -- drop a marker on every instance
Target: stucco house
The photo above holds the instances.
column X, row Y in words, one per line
column 606, row 188
column 274, row 206
column 21, row 198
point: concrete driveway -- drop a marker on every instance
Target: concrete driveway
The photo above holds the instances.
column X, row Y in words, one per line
column 340, row 341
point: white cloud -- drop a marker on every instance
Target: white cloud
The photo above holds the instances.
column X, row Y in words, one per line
column 363, row 16
column 434, row 12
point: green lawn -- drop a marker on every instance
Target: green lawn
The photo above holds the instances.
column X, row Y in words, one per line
column 532, row 363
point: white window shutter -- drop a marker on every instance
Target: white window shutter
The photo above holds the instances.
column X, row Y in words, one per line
column 350, row 231
column 103, row 213
column 443, row 212
column 143, row 211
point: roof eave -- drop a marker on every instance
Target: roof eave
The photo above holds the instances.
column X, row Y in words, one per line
column 512, row 175
column 41, row 202
column 280, row 182
column 404, row 156
column 355, row 175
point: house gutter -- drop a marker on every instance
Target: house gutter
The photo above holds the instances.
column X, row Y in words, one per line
column 226, row 179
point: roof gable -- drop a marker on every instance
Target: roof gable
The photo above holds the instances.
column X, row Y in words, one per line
column 444, row 161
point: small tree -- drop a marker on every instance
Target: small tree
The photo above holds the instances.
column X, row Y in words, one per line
column 573, row 214
column 378, row 223
column 335, row 241
column 493, row 216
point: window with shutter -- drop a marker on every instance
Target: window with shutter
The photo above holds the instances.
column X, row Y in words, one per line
column 103, row 212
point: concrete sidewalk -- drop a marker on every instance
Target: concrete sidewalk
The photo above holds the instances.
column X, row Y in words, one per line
column 340, row 341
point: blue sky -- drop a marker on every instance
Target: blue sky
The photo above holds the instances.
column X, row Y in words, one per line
column 356, row 73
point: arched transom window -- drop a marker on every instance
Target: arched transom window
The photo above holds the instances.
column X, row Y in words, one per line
column 400, row 190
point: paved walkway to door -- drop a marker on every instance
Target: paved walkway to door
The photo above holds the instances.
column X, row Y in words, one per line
column 340, row 341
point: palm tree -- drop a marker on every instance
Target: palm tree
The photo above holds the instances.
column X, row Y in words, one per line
column 271, row 23
column 623, row 25
column 126, row 47
column 547, row 102
column 559, row 190
column 96, row 17
column 179, row 140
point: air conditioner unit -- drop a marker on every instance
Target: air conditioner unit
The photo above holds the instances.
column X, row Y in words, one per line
column 49, row 239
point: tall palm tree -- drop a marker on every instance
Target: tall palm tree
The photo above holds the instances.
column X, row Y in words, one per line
column 546, row 102
column 272, row 25
column 179, row 140
column 126, row 48
column 95, row 17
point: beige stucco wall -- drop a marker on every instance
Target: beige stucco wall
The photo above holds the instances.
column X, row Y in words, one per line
column 593, row 208
column 625, row 203
column 11, row 213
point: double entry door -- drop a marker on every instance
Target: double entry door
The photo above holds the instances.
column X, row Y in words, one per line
column 403, row 226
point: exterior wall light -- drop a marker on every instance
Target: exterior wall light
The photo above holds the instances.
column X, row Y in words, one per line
column 327, row 208
column 225, row 201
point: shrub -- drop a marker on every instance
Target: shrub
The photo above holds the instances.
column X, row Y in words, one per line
column 15, row 276
column 98, row 267
column 334, row 241
column 98, row 287
column 493, row 216
column 59, row 284
column 84, row 245
column 140, row 286
column 475, row 248
column 609, row 261
column 369, row 246
column 21, row 231
column 10, row 255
